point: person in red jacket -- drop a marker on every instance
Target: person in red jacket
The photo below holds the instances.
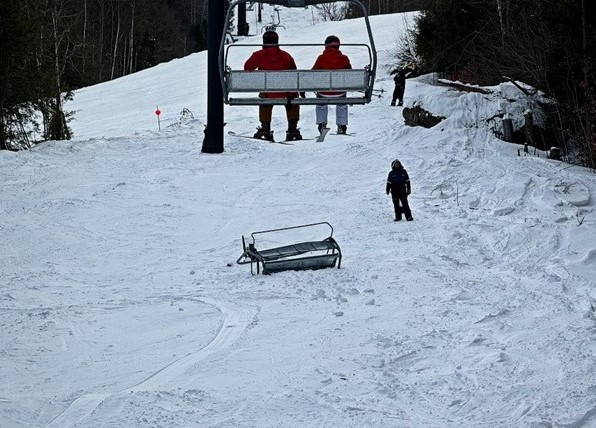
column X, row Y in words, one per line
column 271, row 57
column 332, row 59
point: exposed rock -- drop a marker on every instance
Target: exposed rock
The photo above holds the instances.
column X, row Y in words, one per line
column 417, row 116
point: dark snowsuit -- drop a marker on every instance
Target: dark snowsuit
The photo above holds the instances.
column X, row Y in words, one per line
column 398, row 183
column 400, row 87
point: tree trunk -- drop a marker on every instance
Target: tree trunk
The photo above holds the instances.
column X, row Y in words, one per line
column 57, row 68
column 585, row 59
column 131, row 67
column 115, row 50
column 501, row 23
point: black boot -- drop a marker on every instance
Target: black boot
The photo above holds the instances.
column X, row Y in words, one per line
column 264, row 132
column 293, row 133
column 398, row 213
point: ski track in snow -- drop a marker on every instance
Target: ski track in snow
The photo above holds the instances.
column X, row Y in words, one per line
column 235, row 320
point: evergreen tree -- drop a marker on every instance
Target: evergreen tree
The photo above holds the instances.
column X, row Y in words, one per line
column 22, row 80
column 548, row 45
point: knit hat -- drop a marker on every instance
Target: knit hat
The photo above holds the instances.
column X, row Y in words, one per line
column 332, row 41
column 270, row 38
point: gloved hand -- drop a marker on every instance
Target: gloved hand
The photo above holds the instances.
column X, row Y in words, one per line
column 387, row 193
column 408, row 192
column 302, row 94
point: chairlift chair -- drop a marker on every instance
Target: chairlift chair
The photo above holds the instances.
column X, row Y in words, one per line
column 309, row 255
column 358, row 83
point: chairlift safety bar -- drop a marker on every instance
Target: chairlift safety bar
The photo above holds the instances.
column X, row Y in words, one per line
column 261, row 232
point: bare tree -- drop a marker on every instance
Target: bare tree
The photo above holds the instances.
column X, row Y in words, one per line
column 332, row 11
column 62, row 47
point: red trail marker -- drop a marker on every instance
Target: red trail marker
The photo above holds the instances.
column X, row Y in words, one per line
column 158, row 113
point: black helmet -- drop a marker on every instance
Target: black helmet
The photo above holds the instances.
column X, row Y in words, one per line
column 395, row 164
column 270, row 38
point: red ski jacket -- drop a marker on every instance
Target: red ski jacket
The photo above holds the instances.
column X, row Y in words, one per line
column 271, row 58
column 332, row 59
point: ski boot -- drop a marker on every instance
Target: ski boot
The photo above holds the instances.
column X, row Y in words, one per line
column 342, row 129
column 264, row 132
column 322, row 126
column 293, row 133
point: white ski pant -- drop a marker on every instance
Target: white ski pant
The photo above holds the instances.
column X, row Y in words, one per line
column 341, row 111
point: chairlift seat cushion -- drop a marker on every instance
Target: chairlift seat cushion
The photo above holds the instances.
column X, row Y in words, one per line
column 297, row 249
column 297, row 80
column 255, row 101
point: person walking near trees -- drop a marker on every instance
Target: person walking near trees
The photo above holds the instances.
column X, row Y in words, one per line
column 332, row 59
column 398, row 184
column 400, row 87
column 271, row 57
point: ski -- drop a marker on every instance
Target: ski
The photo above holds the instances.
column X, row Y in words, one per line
column 294, row 141
column 285, row 142
column 348, row 134
column 322, row 135
column 236, row 134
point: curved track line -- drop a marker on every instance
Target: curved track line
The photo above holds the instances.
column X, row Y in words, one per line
column 77, row 410
column 236, row 319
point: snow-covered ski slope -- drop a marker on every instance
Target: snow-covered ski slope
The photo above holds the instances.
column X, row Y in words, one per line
column 118, row 309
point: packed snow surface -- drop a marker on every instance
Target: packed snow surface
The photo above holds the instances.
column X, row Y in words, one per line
column 121, row 303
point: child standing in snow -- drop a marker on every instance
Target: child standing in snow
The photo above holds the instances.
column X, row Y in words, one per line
column 398, row 183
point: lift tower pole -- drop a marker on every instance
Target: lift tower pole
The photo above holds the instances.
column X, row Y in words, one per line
column 242, row 24
column 214, row 135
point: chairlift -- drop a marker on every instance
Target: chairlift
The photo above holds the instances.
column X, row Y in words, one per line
column 269, row 27
column 274, row 24
column 309, row 255
column 357, row 83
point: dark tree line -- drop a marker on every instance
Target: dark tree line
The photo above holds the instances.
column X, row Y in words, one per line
column 50, row 47
column 550, row 45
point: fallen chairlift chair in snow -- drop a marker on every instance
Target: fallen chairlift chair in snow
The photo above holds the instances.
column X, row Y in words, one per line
column 308, row 255
column 357, row 83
